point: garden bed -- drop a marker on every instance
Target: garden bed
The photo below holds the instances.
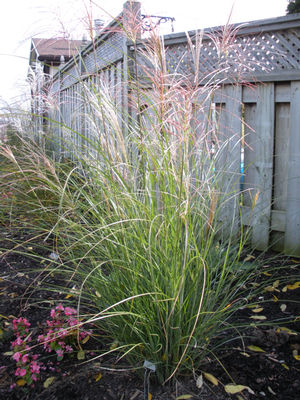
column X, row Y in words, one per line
column 270, row 367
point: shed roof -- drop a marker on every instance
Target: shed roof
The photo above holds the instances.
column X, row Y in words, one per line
column 54, row 48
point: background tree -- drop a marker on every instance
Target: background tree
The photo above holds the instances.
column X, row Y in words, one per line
column 293, row 7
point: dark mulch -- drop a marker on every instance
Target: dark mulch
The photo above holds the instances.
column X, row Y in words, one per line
column 273, row 374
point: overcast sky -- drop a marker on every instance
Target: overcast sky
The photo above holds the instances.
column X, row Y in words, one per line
column 22, row 19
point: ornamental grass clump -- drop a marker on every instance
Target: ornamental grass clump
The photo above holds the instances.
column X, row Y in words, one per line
column 148, row 237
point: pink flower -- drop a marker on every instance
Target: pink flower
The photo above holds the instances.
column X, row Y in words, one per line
column 40, row 338
column 17, row 356
column 52, row 313
column 69, row 349
column 59, row 353
column 20, row 372
column 60, row 307
column 17, row 342
column 70, row 311
column 34, row 367
column 25, row 358
column 34, row 377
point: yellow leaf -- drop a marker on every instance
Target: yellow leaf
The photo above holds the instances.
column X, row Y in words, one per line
column 97, row 377
column 257, row 310
column 269, row 289
column 81, row 355
column 276, row 284
column 211, row 378
column 21, row 382
column 8, row 353
column 285, row 366
column 296, row 285
column 275, row 298
column 184, row 397
column 284, row 329
column 1, row 333
column 256, row 348
column 29, row 248
column 284, row 289
column 3, row 316
column 85, row 339
column 249, row 257
column 149, row 396
column 164, row 357
column 233, row 389
column 261, row 317
column 68, row 296
column 48, row 381
column 245, row 354
column 267, row 274
column 97, row 294
column 295, row 355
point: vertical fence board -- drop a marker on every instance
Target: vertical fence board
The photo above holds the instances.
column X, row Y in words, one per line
column 250, row 171
column 264, row 165
column 292, row 228
column 229, row 157
column 281, row 155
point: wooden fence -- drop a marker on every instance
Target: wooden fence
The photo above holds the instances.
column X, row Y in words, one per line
column 262, row 120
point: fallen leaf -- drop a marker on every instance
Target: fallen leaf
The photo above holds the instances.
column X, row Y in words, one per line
column 233, row 389
column 8, row 353
column 97, row 377
column 296, row 285
column 245, row 354
column 269, row 289
column 149, row 396
column 260, row 317
column 81, row 355
column 285, row 366
column 12, row 295
column 284, row 289
column 257, row 310
column 21, row 382
column 271, row 391
column 184, row 396
column 256, row 348
column 283, row 307
column 68, row 296
column 48, row 382
column 211, row 378
column 249, row 257
column 284, row 329
column 276, row 284
column 275, row 298
column 85, row 339
column 199, row 381
column 296, row 355
column 267, row 274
